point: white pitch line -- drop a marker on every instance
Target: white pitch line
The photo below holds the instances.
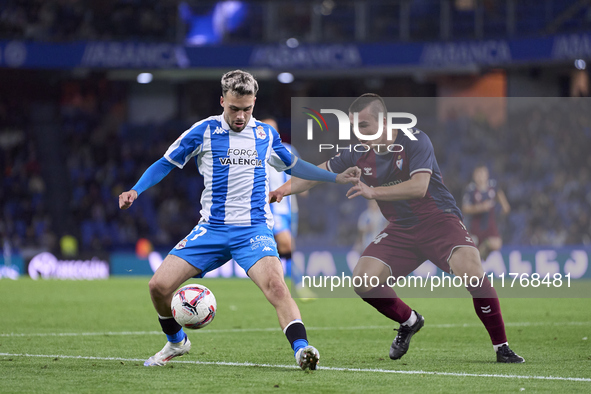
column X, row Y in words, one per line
column 247, row 364
column 271, row 329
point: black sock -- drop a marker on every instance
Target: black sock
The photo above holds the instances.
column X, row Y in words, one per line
column 285, row 256
column 296, row 335
column 169, row 326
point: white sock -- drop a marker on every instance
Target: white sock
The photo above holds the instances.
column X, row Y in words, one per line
column 496, row 347
column 411, row 320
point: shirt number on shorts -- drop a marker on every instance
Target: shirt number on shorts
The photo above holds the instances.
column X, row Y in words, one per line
column 201, row 231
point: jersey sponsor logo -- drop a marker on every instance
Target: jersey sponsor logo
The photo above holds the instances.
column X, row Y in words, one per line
column 262, row 241
column 241, row 157
column 260, row 238
column 367, row 171
column 240, row 161
column 468, row 239
column 392, row 183
column 267, row 249
column 242, row 152
column 219, row 130
column 379, row 238
column 261, row 135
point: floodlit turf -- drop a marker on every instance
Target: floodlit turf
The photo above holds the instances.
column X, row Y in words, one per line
column 114, row 328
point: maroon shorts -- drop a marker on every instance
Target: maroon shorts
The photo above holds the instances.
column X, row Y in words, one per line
column 481, row 235
column 404, row 249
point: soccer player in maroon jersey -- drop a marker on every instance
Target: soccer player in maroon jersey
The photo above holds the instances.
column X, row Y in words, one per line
column 425, row 224
column 479, row 202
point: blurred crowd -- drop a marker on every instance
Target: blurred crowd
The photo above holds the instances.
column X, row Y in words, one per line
column 106, row 156
column 538, row 157
column 24, row 217
column 209, row 22
column 70, row 20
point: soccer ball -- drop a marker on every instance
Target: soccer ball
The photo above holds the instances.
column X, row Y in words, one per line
column 193, row 306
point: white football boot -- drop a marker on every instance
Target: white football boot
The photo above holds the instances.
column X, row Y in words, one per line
column 307, row 358
column 168, row 352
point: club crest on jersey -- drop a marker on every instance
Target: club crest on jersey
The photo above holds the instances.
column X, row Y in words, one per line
column 399, row 162
column 181, row 244
column 367, row 171
column 261, row 135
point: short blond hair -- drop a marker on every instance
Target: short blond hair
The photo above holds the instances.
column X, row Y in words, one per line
column 239, row 82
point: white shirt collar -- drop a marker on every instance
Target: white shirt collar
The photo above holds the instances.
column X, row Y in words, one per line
column 226, row 126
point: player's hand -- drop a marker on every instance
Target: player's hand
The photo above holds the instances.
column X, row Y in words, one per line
column 127, row 198
column 361, row 189
column 275, row 196
column 350, row 175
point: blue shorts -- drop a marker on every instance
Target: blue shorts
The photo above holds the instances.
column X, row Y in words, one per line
column 209, row 246
column 286, row 222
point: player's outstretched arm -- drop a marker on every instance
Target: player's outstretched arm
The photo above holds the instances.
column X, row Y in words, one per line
column 127, row 198
column 303, row 169
column 350, row 175
column 154, row 174
column 298, row 185
column 415, row 187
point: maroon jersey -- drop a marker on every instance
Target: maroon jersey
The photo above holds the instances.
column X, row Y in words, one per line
column 482, row 224
column 387, row 169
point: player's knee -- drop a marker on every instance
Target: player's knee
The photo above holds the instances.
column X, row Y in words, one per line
column 495, row 243
column 283, row 240
column 466, row 261
column 157, row 288
column 283, row 248
column 277, row 289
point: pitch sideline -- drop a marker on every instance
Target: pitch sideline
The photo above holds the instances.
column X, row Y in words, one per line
column 338, row 369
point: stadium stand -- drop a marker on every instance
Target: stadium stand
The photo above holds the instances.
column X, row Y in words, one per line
column 103, row 152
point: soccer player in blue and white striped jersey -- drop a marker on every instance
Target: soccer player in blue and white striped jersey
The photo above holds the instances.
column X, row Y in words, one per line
column 231, row 151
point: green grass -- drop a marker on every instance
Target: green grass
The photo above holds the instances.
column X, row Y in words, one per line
column 549, row 333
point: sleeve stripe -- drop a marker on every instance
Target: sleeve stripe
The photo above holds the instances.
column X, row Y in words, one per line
column 293, row 163
column 421, row 170
column 193, row 154
column 176, row 144
column 328, row 166
column 179, row 165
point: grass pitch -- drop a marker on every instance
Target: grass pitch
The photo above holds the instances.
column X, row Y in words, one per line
column 93, row 336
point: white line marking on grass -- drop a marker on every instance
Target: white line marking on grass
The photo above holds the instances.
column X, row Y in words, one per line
column 233, row 364
column 271, row 329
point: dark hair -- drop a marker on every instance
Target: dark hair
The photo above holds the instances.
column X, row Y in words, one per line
column 369, row 99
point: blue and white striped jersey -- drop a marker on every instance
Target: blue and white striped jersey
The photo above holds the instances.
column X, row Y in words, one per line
column 234, row 168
